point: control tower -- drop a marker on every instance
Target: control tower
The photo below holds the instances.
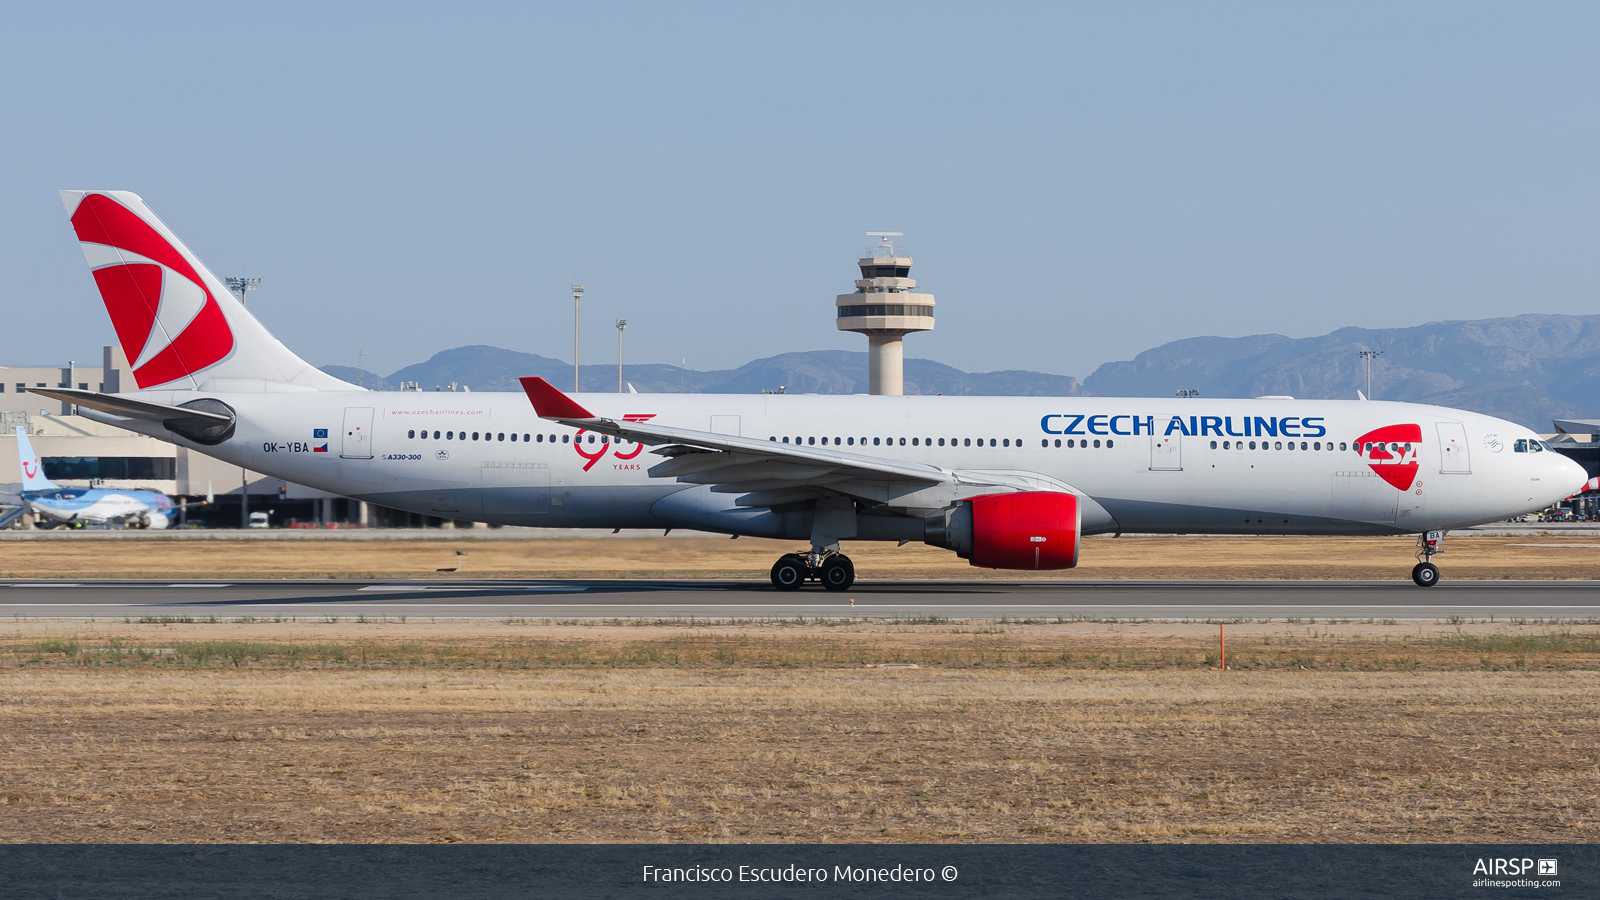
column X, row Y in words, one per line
column 884, row 309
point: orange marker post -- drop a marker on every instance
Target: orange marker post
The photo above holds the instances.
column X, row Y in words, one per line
column 1222, row 647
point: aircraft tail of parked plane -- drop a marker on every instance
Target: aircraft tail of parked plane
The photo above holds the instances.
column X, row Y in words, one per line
column 76, row 506
column 1005, row 482
column 32, row 469
column 178, row 324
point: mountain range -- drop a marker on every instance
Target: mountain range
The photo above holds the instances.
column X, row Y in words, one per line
column 484, row 368
column 1528, row 368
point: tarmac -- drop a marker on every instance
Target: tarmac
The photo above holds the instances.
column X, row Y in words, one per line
column 1577, row 601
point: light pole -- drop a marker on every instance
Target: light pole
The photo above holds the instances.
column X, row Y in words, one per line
column 621, row 324
column 577, row 294
column 1369, row 356
column 242, row 285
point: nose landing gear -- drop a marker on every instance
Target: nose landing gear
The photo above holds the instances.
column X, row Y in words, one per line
column 1426, row 574
column 793, row 570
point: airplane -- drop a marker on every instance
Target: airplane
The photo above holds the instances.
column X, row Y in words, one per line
column 1004, row 482
column 77, row 506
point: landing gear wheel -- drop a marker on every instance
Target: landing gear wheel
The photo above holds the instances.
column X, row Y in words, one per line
column 1426, row 574
column 790, row 572
column 838, row 573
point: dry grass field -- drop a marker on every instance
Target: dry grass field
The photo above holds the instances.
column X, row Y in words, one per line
column 1556, row 556
column 507, row 731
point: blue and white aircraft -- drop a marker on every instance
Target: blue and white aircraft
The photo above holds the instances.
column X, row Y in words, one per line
column 50, row 502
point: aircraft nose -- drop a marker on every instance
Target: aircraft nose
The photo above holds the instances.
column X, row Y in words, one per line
column 1572, row 474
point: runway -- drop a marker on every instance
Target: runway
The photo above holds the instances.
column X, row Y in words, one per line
column 602, row 599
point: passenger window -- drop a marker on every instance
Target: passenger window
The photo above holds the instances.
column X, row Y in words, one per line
column 513, row 437
column 786, row 439
column 449, row 435
column 968, row 443
column 1225, row 445
column 1317, row 445
column 875, row 441
column 850, row 441
column 541, row 438
column 1110, row 443
column 1097, row 443
column 1252, row 445
column 411, row 434
column 501, row 436
column 1213, row 445
column 565, row 438
column 1341, row 445
column 1058, row 442
column 913, row 442
column 993, row 442
column 1006, row 442
column 811, row 440
column 902, row 442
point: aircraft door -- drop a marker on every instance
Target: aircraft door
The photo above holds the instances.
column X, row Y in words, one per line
column 356, row 442
column 1166, row 452
column 1359, row 495
column 1453, row 457
column 516, row 488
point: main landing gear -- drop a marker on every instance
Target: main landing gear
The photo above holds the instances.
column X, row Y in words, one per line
column 1426, row 574
column 793, row 570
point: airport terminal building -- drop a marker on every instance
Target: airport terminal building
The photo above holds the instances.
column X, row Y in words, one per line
column 80, row 452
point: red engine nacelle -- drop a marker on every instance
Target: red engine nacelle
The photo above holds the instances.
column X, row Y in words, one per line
column 1028, row 530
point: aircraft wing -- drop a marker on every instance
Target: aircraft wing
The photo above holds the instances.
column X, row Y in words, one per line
column 768, row 473
column 131, row 407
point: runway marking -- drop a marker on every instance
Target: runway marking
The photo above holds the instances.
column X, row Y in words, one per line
column 407, row 589
column 987, row 610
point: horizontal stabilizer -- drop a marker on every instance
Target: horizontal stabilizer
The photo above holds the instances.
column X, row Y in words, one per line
column 129, row 407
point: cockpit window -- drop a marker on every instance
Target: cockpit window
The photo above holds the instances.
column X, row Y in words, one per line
column 1546, row 445
column 1521, row 446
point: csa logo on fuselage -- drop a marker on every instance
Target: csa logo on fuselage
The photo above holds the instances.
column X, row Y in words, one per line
column 1392, row 452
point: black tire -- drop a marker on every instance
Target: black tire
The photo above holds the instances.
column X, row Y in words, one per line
column 838, row 573
column 1425, row 574
column 789, row 572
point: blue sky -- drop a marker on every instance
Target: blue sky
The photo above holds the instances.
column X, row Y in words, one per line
column 1077, row 183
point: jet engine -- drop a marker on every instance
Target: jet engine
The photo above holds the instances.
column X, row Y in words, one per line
column 1026, row 530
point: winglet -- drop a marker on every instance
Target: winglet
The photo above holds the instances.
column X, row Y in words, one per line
column 550, row 403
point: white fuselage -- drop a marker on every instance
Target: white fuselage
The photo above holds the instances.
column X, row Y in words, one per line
column 1152, row 465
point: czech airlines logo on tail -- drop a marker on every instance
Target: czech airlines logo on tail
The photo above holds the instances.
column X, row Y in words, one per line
column 169, row 324
column 1392, row 452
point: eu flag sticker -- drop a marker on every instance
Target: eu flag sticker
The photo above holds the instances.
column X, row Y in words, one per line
column 319, row 432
